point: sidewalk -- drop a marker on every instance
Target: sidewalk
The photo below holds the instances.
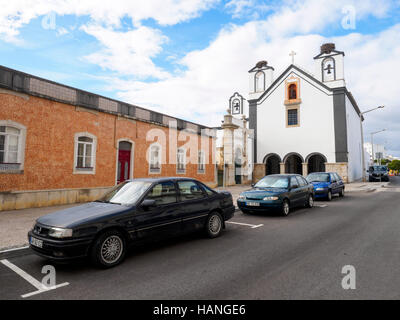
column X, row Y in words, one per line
column 365, row 186
column 15, row 224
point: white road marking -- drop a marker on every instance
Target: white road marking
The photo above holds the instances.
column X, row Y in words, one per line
column 320, row 205
column 14, row 249
column 38, row 285
column 246, row 224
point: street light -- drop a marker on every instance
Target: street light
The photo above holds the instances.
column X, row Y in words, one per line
column 372, row 143
column 362, row 139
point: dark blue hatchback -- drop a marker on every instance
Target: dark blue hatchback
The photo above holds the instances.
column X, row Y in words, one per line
column 326, row 184
column 281, row 192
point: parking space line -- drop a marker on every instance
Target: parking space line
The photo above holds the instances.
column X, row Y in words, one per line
column 253, row 226
column 320, row 205
column 38, row 285
column 14, row 249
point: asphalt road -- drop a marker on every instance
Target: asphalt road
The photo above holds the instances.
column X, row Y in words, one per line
column 296, row 257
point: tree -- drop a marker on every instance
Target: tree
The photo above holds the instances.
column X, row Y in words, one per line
column 383, row 162
column 394, row 165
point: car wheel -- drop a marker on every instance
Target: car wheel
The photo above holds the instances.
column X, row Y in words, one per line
column 310, row 201
column 329, row 195
column 214, row 225
column 108, row 249
column 285, row 207
column 341, row 193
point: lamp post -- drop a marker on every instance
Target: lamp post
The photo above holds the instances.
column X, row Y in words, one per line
column 372, row 143
column 362, row 140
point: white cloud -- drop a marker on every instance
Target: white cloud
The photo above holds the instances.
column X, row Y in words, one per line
column 128, row 53
column 246, row 8
column 211, row 75
column 17, row 13
column 200, row 92
column 61, row 31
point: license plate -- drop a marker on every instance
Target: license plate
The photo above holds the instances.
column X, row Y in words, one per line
column 36, row 242
column 253, row 204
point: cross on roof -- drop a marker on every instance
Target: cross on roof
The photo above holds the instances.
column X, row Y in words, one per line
column 292, row 54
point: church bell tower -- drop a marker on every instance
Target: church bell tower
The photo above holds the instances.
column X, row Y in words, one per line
column 329, row 66
column 260, row 78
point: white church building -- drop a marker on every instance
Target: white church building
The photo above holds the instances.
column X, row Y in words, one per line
column 305, row 122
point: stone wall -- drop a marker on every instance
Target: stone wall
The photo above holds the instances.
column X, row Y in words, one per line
column 341, row 168
column 42, row 198
column 259, row 172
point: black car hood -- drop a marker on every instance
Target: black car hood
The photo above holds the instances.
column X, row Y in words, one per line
column 259, row 193
column 71, row 217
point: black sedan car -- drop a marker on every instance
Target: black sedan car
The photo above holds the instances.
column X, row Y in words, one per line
column 378, row 173
column 132, row 212
column 280, row 192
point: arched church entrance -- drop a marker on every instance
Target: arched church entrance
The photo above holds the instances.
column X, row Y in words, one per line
column 316, row 162
column 272, row 164
column 293, row 163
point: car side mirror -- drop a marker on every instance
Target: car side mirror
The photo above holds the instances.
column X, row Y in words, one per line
column 147, row 203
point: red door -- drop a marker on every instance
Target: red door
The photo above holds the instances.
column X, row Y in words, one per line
column 124, row 165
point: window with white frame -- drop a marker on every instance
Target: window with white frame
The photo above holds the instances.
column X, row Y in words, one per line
column 12, row 146
column 201, row 165
column 85, row 153
column 155, row 158
column 181, row 161
column 9, row 142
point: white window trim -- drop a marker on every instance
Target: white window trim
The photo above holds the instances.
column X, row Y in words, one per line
column 203, row 157
column 89, row 135
column 159, row 155
column 184, row 161
column 21, row 145
column 132, row 158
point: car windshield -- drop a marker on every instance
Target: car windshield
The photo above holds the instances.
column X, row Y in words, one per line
column 273, row 182
column 378, row 168
column 318, row 177
column 126, row 193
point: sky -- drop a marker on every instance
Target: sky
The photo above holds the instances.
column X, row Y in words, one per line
column 187, row 57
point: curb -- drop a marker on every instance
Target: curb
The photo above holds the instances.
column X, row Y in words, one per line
column 14, row 252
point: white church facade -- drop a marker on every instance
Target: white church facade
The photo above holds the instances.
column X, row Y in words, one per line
column 303, row 122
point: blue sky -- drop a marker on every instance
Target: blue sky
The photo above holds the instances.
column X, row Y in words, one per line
column 186, row 57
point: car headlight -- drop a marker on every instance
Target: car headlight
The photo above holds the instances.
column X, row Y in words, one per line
column 60, row 233
column 320, row 189
column 271, row 198
column 241, row 197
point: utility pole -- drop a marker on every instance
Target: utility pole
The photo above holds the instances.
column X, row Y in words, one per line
column 362, row 141
column 372, row 142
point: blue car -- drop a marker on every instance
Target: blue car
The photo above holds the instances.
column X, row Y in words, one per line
column 280, row 192
column 326, row 184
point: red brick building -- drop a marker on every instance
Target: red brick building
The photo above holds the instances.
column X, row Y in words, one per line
column 63, row 145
